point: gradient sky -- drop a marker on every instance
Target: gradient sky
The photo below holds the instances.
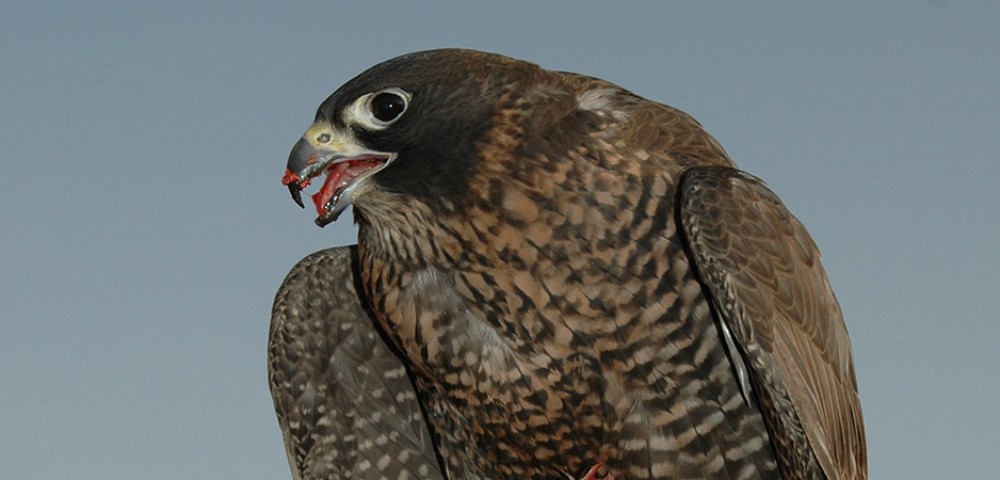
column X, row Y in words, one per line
column 144, row 231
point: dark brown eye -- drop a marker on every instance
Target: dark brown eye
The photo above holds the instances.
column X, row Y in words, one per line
column 387, row 106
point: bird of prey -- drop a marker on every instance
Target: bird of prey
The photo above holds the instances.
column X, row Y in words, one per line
column 554, row 278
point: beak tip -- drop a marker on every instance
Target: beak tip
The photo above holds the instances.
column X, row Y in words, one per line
column 296, row 192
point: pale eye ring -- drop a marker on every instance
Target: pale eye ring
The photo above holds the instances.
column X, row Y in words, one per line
column 378, row 110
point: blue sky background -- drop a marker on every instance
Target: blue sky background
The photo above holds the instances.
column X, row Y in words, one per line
column 144, row 231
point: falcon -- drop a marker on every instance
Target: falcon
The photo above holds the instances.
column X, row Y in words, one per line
column 554, row 279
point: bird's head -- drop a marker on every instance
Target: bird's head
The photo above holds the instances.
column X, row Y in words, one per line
column 410, row 126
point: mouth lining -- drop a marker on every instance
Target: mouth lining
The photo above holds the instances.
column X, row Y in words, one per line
column 341, row 176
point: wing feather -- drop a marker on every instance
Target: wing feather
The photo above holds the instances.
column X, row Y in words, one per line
column 345, row 404
column 764, row 275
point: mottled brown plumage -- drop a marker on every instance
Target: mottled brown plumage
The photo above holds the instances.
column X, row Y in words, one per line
column 573, row 274
column 346, row 406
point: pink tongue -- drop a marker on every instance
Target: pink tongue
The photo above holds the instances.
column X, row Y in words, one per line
column 335, row 179
column 339, row 176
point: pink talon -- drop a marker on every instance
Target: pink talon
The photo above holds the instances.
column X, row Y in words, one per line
column 592, row 473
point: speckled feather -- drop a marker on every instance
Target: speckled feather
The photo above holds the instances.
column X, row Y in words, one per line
column 565, row 299
column 785, row 316
column 345, row 404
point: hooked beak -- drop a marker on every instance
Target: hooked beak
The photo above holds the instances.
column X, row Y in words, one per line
column 303, row 154
column 324, row 151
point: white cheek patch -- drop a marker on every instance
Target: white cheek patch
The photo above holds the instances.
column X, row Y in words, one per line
column 357, row 113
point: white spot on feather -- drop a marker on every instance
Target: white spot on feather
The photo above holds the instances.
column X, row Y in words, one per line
column 602, row 101
column 597, row 99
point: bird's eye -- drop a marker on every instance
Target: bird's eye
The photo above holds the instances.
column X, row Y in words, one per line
column 387, row 106
column 377, row 110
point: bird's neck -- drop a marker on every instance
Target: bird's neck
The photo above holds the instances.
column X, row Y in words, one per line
column 406, row 232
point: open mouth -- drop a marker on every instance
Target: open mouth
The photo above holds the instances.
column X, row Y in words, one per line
column 341, row 177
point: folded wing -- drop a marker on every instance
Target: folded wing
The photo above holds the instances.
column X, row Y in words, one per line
column 344, row 402
column 770, row 292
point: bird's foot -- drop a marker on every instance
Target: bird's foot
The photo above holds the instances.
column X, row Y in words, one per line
column 593, row 475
